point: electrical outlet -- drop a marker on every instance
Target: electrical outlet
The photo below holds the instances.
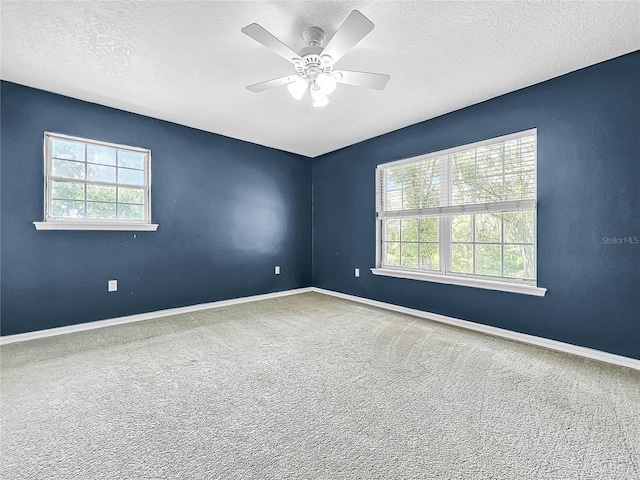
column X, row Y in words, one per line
column 277, row 269
column 113, row 285
column 357, row 272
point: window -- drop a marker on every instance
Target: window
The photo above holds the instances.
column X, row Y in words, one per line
column 465, row 216
column 91, row 185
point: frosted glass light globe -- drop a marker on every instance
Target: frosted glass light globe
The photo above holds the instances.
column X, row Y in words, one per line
column 327, row 83
column 297, row 88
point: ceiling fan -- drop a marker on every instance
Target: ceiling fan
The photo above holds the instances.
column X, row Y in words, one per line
column 314, row 63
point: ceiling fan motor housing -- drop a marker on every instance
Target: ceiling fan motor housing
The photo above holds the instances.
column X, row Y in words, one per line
column 312, row 63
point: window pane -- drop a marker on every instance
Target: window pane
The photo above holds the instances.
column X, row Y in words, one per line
column 392, row 253
column 62, row 168
column 67, row 150
column 520, row 186
column 528, row 256
column 431, row 196
column 514, row 187
column 411, row 198
column 518, row 261
column 463, row 194
column 512, row 157
column 489, row 161
column 101, row 210
column 131, row 159
column 430, row 182
column 393, row 183
column 101, row 173
column 489, row 259
column 413, row 174
column 463, row 181
column 134, row 195
column 489, row 190
column 410, row 255
column 429, row 256
column 461, row 228
column 464, row 163
column 489, row 227
column 429, row 228
column 130, row 177
column 528, row 145
column 393, row 200
column 130, row 212
column 101, row 154
column 392, row 229
column 518, row 227
column 67, row 209
column 409, row 231
column 65, row 190
column 407, row 175
column 528, row 185
column 462, row 258
column 100, row 193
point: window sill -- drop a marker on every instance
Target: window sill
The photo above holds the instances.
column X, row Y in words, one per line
column 129, row 227
column 463, row 281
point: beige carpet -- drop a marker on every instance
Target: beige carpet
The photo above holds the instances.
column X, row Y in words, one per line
column 310, row 387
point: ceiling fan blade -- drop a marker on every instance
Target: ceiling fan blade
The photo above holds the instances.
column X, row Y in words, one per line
column 262, row 36
column 276, row 82
column 376, row 81
column 354, row 29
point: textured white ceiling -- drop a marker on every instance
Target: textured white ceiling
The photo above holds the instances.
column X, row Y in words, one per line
column 188, row 62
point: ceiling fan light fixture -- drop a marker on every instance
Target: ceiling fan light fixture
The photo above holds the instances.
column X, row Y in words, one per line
column 314, row 63
column 297, row 88
column 327, row 83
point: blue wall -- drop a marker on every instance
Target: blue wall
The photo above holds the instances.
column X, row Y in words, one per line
column 588, row 188
column 229, row 211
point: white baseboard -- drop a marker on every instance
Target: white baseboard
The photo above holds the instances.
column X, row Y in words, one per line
column 499, row 332
column 50, row 332
column 478, row 327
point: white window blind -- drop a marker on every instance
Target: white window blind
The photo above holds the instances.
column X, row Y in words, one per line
column 466, row 211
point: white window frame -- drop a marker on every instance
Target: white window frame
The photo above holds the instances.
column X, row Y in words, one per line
column 57, row 223
column 445, row 274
